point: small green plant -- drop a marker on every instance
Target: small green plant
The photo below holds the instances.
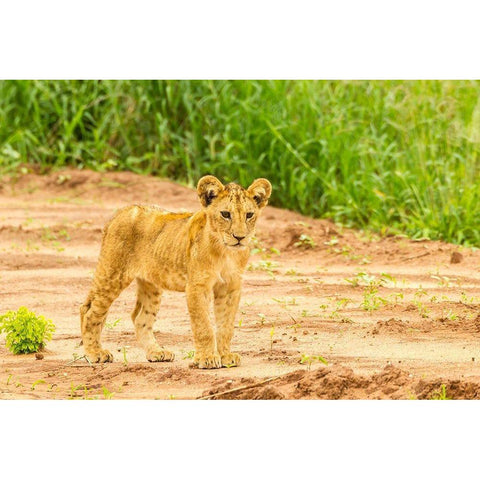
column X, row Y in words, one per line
column 25, row 331
column 272, row 333
column 395, row 297
column 285, row 301
column 64, row 234
column 363, row 259
column 309, row 359
column 386, row 277
column 188, row 355
column 421, row 292
column 330, row 243
column 111, row 325
column 265, row 266
column 371, row 301
column 75, row 388
column 345, row 250
column 364, row 279
column 258, row 248
column 422, row 308
column 305, row 241
column 48, row 235
column 295, row 324
column 50, row 238
column 441, row 393
column 28, row 221
column 450, row 315
column 341, row 303
column 31, row 247
column 466, row 299
column 108, row 395
column 37, row 382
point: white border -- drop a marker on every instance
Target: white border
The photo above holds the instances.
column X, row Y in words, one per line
column 154, row 39
column 239, row 439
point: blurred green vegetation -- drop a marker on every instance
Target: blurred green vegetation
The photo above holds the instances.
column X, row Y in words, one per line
column 396, row 156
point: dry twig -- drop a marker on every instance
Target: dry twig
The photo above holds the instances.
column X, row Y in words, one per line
column 238, row 389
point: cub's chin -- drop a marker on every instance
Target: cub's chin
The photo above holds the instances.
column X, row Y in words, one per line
column 237, row 247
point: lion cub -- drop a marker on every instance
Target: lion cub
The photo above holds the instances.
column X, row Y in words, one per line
column 203, row 254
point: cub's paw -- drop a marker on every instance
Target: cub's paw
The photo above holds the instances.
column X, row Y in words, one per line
column 160, row 356
column 231, row 360
column 207, row 361
column 100, row 356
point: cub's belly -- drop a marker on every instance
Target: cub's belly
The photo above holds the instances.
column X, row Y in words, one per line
column 170, row 280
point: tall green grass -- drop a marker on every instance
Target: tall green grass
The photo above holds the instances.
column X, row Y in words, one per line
column 397, row 156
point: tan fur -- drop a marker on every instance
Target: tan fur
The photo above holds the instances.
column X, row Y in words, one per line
column 203, row 254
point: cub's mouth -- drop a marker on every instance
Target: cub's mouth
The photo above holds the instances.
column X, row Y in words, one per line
column 236, row 246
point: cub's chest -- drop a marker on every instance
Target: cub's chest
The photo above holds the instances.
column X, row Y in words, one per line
column 232, row 268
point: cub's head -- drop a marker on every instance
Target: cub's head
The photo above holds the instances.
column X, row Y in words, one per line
column 233, row 211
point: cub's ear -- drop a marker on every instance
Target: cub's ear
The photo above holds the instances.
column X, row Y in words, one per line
column 208, row 188
column 260, row 189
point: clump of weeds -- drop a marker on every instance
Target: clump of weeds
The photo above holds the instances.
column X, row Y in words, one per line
column 441, row 393
column 309, row 359
column 305, row 241
column 265, row 266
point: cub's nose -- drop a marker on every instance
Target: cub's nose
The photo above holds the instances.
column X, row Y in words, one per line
column 238, row 238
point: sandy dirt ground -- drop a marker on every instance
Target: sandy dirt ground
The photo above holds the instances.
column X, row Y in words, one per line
column 326, row 312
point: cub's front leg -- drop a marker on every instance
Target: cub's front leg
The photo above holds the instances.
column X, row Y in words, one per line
column 199, row 296
column 227, row 298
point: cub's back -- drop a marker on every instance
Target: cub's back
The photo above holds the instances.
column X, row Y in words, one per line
column 136, row 227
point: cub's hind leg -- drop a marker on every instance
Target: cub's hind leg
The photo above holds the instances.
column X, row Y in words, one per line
column 93, row 314
column 144, row 316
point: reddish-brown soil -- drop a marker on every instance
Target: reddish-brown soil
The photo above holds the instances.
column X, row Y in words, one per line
column 393, row 318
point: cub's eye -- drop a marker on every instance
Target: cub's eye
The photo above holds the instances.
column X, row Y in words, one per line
column 225, row 214
column 249, row 214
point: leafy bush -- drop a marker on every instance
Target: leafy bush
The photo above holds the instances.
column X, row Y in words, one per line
column 26, row 331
